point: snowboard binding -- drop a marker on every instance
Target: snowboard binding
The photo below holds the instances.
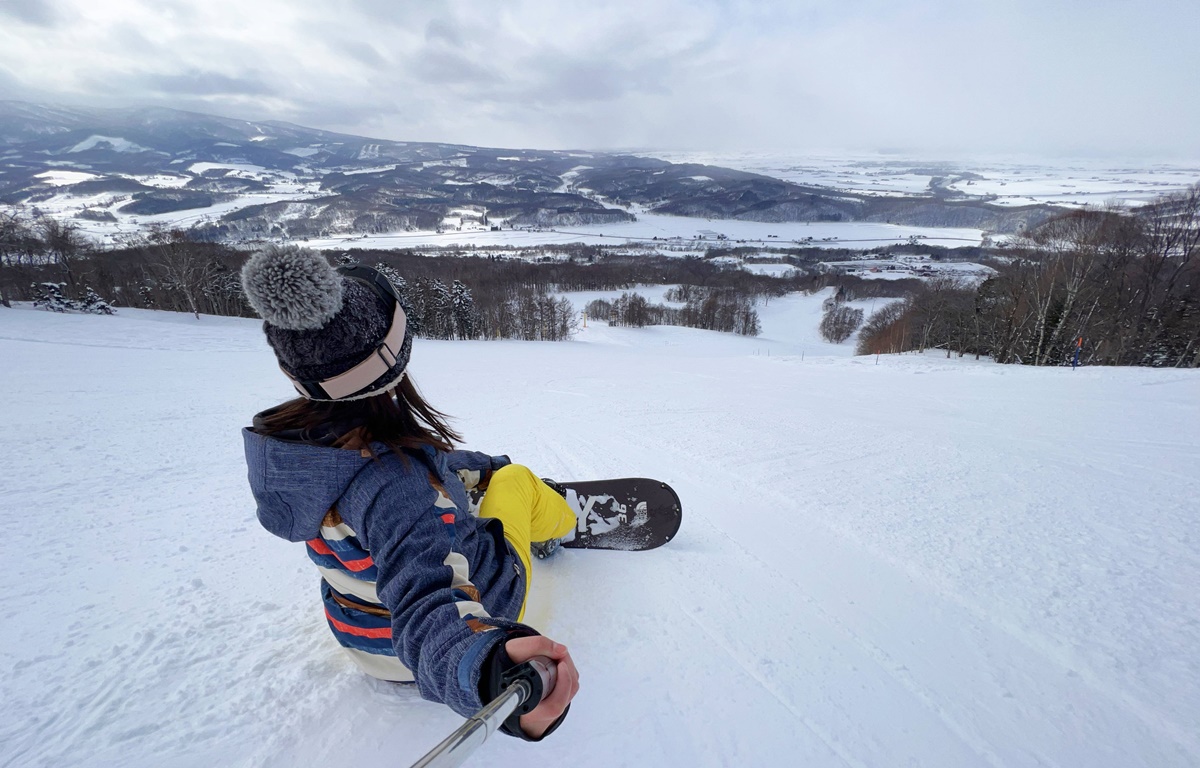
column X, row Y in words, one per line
column 543, row 549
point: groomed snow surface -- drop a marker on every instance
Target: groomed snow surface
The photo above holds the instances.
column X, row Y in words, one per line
column 909, row 561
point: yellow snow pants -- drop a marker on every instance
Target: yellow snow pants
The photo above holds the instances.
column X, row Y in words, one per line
column 530, row 511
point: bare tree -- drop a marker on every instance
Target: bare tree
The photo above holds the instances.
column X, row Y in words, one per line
column 180, row 263
column 14, row 236
column 884, row 332
column 1124, row 287
column 64, row 244
column 840, row 322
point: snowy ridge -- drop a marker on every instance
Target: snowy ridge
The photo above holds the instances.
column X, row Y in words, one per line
column 239, row 172
column 923, row 561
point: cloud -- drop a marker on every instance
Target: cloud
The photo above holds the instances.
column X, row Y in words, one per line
column 442, row 30
column 939, row 76
column 439, row 67
column 207, row 84
column 42, row 13
column 10, row 87
column 363, row 52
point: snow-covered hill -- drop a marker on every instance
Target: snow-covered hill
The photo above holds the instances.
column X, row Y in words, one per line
column 915, row 561
column 112, row 172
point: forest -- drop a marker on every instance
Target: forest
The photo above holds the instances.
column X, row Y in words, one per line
column 1104, row 287
column 448, row 294
column 1107, row 286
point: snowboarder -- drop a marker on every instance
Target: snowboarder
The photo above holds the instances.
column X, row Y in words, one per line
column 363, row 471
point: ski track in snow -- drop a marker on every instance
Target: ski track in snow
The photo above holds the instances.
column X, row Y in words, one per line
column 922, row 562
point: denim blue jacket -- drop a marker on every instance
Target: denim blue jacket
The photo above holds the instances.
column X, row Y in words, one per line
column 396, row 528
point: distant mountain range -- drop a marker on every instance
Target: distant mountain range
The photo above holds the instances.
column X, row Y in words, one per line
column 238, row 179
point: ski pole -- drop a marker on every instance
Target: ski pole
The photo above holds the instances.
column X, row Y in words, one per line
column 525, row 687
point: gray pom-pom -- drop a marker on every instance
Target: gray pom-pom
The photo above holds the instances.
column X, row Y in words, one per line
column 292, row 288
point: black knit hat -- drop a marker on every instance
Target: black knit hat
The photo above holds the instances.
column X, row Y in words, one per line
column 322, row 324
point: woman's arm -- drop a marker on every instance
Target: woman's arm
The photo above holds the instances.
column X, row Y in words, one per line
column 475, row 468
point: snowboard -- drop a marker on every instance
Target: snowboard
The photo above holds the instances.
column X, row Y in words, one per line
column 628, row 513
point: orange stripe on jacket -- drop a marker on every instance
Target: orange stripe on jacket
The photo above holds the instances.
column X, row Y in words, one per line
column 382, row 632
column 321, row 548
column 357, row 565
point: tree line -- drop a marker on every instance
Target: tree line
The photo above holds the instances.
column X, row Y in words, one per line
column 437, row 311
column 1121, row 287
column 452, row 293
column 713, row 309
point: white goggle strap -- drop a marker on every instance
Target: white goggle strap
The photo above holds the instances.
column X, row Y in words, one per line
column 363, row 375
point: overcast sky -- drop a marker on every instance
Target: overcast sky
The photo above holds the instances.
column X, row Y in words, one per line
column 962, row 77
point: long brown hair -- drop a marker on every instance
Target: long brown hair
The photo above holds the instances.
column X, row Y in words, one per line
column 399, row 422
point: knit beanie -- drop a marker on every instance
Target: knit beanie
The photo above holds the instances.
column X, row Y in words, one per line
column 319, row 322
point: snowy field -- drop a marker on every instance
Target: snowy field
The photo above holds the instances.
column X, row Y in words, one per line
column 907, row 266
column 999, row 180
column 682, row 230
column 909, row 561
column 282, row 186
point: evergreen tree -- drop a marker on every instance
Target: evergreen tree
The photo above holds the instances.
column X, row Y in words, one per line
column 93, row 304
column 439, row 311
column 416, row 309
column 49, row 296
column 466, row 317
column 412, row 317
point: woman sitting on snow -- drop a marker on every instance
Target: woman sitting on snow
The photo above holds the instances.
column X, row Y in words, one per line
column 363, row 471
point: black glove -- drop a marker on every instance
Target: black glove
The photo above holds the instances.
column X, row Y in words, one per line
column 491, row 685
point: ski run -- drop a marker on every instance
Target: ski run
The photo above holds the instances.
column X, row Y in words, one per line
column 906, row 561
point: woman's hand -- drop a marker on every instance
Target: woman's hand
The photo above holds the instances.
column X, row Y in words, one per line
column 543, row 716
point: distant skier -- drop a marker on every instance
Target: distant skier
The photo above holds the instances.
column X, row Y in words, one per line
column 363, row 471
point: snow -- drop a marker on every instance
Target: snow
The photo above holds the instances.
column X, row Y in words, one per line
column 910, row 561
column 64, row 178
column 238, row 169
column 1000, row 182
column 775, row 270
column 655, row 294
column 282, row 187
column 1005, row 181
column 691, row 231
column 162, row 180
column 373, row 169
column 912, row 266
column 115, row 143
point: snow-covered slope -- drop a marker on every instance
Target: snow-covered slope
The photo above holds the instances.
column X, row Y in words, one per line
column 917, row 562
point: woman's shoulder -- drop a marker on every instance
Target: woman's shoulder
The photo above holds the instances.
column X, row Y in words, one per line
column 408, row 474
